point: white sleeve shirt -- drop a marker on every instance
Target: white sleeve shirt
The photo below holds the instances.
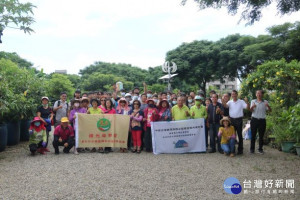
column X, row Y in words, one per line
column 236, row 108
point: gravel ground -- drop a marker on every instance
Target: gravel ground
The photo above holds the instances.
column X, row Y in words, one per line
column 144, row 176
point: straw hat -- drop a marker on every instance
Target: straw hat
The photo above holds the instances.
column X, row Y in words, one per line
column 225, row 119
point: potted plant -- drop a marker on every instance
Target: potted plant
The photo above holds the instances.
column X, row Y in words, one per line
column 294, row 125
column 13, row 121
column 5, row 94
column 282, row 131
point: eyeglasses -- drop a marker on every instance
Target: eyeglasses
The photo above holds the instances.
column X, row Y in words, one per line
column 135, row 104
column 102, row 100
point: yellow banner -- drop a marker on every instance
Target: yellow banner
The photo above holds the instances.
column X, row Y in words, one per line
column 104, row 130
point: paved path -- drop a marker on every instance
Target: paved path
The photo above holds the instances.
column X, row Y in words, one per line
column 144, row 176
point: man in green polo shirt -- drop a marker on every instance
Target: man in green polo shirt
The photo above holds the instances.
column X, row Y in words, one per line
column 180, row 111
column 198, row 110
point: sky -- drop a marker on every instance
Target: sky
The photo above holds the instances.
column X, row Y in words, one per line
column 73, row 34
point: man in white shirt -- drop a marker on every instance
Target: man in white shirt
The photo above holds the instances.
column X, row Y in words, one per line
column 258, row 120
column 236, row 112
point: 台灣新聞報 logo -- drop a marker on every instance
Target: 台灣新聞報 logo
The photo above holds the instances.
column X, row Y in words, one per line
column 232, row 186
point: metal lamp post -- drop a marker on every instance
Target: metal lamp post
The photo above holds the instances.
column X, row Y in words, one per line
column 166, row 67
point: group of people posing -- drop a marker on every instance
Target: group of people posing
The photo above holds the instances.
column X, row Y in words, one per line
column 223, row 117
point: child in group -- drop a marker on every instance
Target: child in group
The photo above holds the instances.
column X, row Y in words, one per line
column 227, row 134
column 37, row 136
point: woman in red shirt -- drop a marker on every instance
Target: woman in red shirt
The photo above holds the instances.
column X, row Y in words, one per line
column 109, row 107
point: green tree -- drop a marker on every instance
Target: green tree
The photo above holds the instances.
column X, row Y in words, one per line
column 20, row 91
column 252, row 8
column 156, row 88
column 231, row 57
column 197, row 62
column 59, row 83
column 128, row 72
column 75, row 80
column 14, row 14
column 104, row 82
column 287, row 37
column 153, row 75
column 14, row 57
column 278, row 77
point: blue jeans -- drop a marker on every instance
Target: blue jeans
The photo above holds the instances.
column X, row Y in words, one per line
column 213, row 134
column 229, row 148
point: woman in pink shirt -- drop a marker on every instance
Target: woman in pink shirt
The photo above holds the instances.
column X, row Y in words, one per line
column 122, row 108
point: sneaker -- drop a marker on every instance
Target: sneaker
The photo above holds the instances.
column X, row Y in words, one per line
column 260, row 151
column 232, row 155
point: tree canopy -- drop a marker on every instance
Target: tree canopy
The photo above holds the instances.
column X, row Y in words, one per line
column 234, row 56
column 135, row 75
column 14, row 14
column 252, row 8
column 14, row 57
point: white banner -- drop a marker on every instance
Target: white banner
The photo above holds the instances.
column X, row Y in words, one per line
column 182, row 136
